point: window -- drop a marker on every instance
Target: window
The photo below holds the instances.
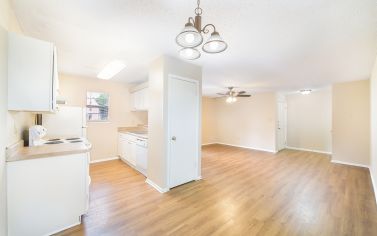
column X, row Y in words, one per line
column 97, row 106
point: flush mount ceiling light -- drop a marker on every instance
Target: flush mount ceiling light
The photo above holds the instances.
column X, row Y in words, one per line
column 305, row 91
column 191, row 37
column 111, row 69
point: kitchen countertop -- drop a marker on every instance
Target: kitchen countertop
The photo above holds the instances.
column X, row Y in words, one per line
column 139, row 131
column 20, row 153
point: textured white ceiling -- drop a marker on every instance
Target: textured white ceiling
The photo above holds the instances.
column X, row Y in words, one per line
column 273, row 44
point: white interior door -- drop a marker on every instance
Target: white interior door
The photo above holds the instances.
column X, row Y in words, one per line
column 282, row 126
column 183, row 125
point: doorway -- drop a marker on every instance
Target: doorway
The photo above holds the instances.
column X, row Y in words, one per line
column 281, row 132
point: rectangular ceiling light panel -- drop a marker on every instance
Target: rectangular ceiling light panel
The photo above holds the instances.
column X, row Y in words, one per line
column 111, row 70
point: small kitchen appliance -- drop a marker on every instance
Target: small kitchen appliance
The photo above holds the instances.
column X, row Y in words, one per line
column 36, row 133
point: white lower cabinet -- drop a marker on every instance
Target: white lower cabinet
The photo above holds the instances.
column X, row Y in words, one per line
column 130, row 151
column 126, row 148
column 47, row 195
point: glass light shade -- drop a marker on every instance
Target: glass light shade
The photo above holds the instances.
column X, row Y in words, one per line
column 189, row 37
column 214, row 44
column 231, row 99
column 189, row 53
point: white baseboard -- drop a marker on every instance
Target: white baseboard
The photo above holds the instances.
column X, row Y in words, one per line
column 205, row 144
column 66, row 227
column 373, row 184
column 351, row 164
column 252, row 148
column 104, row 159
column 158, row 188
column 308, row 150
column 198, row 178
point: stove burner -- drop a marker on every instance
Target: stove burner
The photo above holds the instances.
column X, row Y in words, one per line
column 54, row 139
column 54, row 142
column 72, row 138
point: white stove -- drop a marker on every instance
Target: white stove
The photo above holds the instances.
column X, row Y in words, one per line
column 65, row 140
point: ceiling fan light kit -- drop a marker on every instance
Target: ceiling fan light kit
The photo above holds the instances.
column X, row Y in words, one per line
column 231, row 99
column 191, row 37
column 231, row 95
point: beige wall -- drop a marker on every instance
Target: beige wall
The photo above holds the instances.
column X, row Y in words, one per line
column 157, row 119
column 102, row 135
column 351, row 122
column 309, row 119
column 373, row 99
column 250, row 122
column 209, row 120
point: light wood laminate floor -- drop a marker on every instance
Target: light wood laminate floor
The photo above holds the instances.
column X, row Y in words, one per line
column 243, row 192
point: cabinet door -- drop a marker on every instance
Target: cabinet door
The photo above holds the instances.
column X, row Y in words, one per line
column 30, row 74
column 130, row 152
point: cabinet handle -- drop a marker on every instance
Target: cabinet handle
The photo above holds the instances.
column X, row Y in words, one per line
column 173, row 138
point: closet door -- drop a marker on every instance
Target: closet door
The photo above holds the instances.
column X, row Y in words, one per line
column 183, row 129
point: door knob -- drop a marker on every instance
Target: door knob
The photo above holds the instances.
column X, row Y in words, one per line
column 173, row 138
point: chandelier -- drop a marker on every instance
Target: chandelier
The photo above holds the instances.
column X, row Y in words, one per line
column 191, row 37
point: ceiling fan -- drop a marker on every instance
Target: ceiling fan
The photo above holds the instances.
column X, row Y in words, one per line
column 232, row 95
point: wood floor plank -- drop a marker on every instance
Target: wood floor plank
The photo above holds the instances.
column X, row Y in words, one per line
column 243, row 192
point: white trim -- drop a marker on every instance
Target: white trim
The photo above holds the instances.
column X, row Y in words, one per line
column 104, row 159
column 253, row 148
column 373, row 184
column 206, row 144
column 351, row 164
column 308, row 150
column 158, row 188
column 66, row 227
column 198, row 178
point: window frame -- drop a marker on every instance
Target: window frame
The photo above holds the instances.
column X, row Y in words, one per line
column 108, row 107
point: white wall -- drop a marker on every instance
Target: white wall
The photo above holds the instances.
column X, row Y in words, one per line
column 209, row 121
column 309, row 120
column 249, row 122
column 3, row 118
column 351, row 122
column 373, row 118
column 4, row 25
column 157, row 113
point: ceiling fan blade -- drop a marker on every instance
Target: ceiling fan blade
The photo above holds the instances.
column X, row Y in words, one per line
column 244, row 95
column 241, row 92
column 222, row 94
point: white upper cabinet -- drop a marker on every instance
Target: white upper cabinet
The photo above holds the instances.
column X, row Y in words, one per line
column 139, row 99
column 32, row 74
